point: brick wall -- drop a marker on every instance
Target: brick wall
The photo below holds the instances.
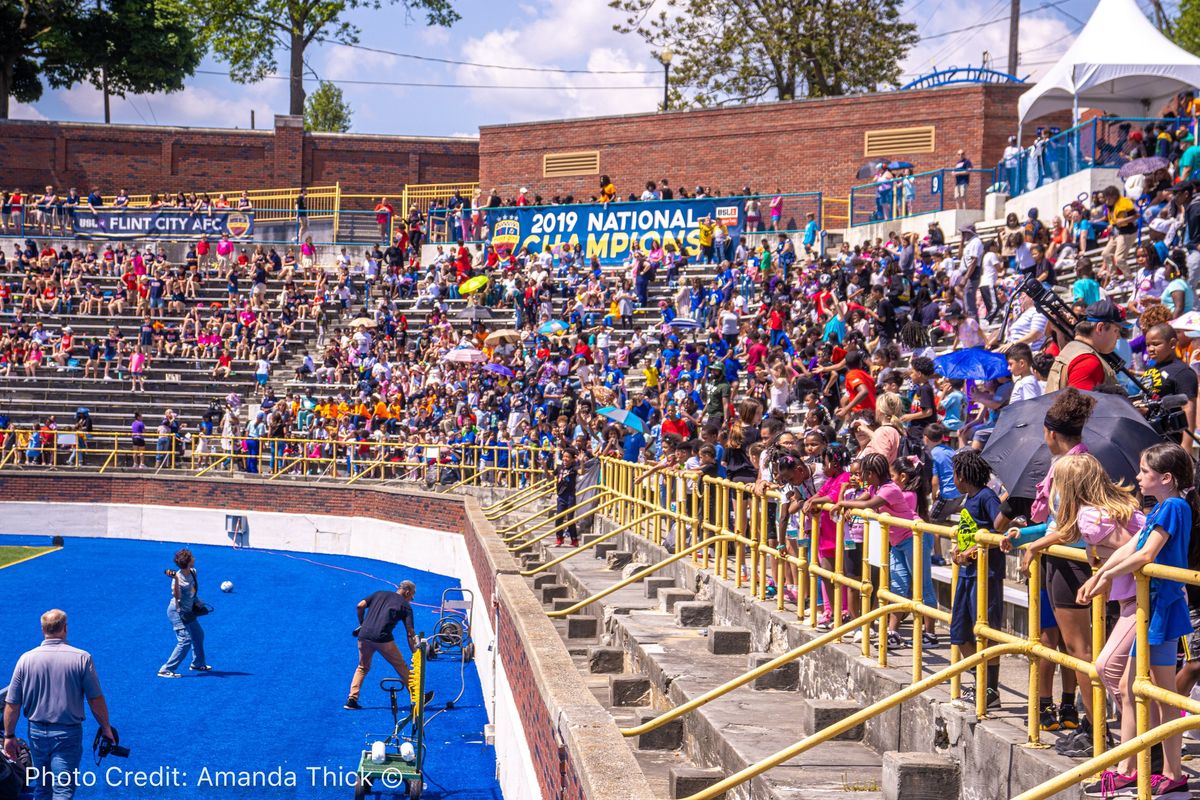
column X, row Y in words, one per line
column 429, row 511
column 143, row 158
column 805, row 145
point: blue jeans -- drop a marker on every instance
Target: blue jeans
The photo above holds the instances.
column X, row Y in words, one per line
column 55, row 749
column 188, row 636
column 900, row 560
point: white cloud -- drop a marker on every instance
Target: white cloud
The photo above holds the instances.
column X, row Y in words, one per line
column 348, row 63
column 22, row 111
column 551, row 37
column 194, row 106
column 1043, row 38
column 434, row 36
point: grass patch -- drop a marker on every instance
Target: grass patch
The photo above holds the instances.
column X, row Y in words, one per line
column 859, row 786
column 11, row 555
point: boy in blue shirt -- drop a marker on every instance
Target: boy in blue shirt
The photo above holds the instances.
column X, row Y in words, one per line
column 947, row 499
column 980, row 510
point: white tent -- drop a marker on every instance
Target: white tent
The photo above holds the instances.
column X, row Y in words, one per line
column 1120, row 63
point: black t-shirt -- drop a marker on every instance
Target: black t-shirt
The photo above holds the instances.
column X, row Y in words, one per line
column 1174, row 377
column 922, row 400
column 888, row 324
column 565, row 480
column 1191, row 216
column 384, row 611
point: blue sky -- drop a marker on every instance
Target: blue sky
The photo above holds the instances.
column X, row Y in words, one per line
column 563, row 34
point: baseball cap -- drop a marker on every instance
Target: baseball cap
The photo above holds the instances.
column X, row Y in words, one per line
column 1183, row 186
column 1160, row 225
column 968, row 228
column 1107, row 311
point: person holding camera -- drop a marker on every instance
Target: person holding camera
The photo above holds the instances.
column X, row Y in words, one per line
column 49, row 684
column 184, row 611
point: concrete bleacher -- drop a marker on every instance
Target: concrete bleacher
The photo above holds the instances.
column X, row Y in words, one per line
column 183, row 384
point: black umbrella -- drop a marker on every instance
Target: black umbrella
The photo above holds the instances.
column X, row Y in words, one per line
column 1116, row 434
column 867, row 171
column 474, row 313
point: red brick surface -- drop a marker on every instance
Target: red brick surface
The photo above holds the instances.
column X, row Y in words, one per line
column 143, row 158
column 805, row 145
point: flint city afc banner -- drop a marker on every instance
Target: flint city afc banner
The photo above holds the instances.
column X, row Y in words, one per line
column 153, row 223
column 608, row 232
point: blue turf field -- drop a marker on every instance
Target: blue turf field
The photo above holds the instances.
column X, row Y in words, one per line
column 283, row 658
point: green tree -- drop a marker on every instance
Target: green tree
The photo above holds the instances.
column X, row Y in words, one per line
column 125, row 46
column 247, row 33
column 326, row 111
column 1186, row 28
column 26, row 27
column 746, row 50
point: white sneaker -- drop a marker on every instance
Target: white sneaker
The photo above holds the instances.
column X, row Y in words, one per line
column 163, row 673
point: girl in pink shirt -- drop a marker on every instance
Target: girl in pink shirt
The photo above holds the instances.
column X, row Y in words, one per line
column 137, row 370
column 1096, row 513
column 834, row 461
column 886, row 496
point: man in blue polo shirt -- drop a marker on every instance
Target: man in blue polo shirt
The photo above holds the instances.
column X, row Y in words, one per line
column 50, row 684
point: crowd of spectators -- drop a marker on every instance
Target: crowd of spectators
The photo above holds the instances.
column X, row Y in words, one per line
column 773, row 366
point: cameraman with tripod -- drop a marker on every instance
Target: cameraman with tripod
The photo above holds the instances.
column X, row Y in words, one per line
column 50, row 684
column 1081, row 362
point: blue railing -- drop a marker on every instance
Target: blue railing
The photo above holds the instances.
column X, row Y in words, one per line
column 921, row 193
column 1098, row 142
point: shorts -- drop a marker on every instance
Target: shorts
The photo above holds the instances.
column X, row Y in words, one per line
column 1192, row 643
column 1063, row 579
column 262, row 379
column 1161, row 655
column 942, row 509
column 138, row 441
column 1047, row 621
column 852, row 565
column 963, row 611
column 960, row 190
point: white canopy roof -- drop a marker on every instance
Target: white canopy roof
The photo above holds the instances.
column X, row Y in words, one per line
column 1120, row 63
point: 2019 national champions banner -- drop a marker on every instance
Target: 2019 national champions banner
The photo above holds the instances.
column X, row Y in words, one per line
column 609, row 231
column 153, row 223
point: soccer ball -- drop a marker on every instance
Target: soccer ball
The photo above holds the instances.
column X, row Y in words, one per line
column 227, row 586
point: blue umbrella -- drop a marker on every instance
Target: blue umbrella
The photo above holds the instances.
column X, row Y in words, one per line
column 683, row 323
column 971, row 364
column 900, row 165
column 626, row 418
column 499, row 369
column 553, row 326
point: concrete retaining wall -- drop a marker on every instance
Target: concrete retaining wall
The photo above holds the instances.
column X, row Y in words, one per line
column 553, row 739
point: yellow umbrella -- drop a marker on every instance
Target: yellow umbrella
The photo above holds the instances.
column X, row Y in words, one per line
column 472, row 285
column 502, row 337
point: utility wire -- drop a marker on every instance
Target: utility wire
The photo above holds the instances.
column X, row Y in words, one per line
column 422, row 84
column 436, row 60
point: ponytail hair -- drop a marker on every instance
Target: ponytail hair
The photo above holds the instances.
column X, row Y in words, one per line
column 911, row 471
column 1169, row 458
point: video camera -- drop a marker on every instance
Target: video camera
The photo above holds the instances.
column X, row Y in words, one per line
column 102, row 746
column 1165, row 414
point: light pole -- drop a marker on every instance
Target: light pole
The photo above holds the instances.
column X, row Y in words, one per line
column 665, row 57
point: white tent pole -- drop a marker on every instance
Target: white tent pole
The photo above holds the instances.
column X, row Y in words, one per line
column 1074, row 109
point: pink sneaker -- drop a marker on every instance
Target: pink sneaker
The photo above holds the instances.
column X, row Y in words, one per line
column 789, row 594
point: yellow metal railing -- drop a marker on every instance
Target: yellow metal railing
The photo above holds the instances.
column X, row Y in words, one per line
column 835, row 212
column 722, row 526
column 270, row 205
column 515, row 467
